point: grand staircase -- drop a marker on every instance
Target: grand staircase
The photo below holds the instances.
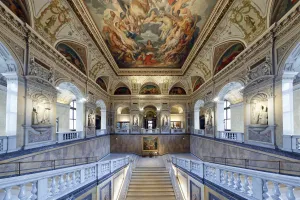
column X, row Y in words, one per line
column 150, row 183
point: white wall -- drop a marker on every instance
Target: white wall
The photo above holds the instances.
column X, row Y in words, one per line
column 123, row 118
column 62, row 112
column 237, row 117
column 2, row 110
column 297, row 112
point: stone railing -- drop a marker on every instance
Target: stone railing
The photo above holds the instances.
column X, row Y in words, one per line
column 101, row 132
column 123, row 131
column 150, row 131
column 3, row 144
column 69, row 136
column 180, row 130
column 291, row 143
column 199, row 131
column 55, row 184
column 231, row 136
column 250, row 184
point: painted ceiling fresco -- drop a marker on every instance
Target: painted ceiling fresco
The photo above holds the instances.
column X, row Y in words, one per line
column 19, row 8
column 150, row 33
column 177, row 91
column 281, row 7
column 150, row 89
column 122, row 91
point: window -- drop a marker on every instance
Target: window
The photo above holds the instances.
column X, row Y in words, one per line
column 227, row 116
column 73, row 115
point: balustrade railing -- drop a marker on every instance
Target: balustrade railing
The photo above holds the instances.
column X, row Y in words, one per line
column 101, row 132
column 124, row 131
column 291, row 143
column 230, row 135
column 150, row 131
column 180, row 130
column 199, row 131
column 3, row 144
column 69, row 136
column 250, row 184
column 57, row 183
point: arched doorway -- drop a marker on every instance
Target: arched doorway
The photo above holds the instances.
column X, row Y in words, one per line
column 100, row 117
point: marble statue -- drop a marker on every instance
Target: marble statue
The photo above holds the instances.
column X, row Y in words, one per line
column 34, row 117
column 90, row 120
column 165, row 121
column 209, row 119
column 135, row 121
column 262, row 117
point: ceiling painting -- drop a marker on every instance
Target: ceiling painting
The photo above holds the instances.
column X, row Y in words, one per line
column 150, row 89
column 281, row 7
column 150, row 33
column 229, row 56
column 71, row 56
column 197, row 82
column 19, row 8
column 122, row 91
column 101, row 83
column 177, row 91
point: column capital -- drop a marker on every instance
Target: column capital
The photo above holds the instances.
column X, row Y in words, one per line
column 289, row 76
column 11, row 76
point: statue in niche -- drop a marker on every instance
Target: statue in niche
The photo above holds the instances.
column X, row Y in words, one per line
column 34, row 117
column 262, row 118
column 135, row 121
column 165, row 121
column 90, row 120
column 209, row 118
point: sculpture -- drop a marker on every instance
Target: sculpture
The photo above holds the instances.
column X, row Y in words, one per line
column 135, row 121
column 34, row 117
column 90, row 120
column 165, row 121
column 262, row 118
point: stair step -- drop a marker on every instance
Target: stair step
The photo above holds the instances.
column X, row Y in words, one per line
column 151, row 182
column 151, row 198
column 150, row 179
column 150, row 186
column 151, row 193
column 151, row 189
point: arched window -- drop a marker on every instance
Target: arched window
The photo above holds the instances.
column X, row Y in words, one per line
column 227, row 116
column 73, row 115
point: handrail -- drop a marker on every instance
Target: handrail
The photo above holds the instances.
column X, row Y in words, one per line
column 10, row 169
column 274, row 166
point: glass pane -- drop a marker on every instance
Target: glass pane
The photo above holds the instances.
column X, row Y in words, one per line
column 228, row 114
column 74, row 124
column 71, row 104
column 228, row 103
column 74, row 114
column 225, row 105
column 74, row 104
column 71, row 124
column 228, row 124
column 71, row 114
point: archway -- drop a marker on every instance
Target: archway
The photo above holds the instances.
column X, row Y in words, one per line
column 100, row 117
column 290, row 100
column 11, row 99
column 199, row 118
column 150, row 117
column 69, row 108
column 123, row 119
column 230, row 110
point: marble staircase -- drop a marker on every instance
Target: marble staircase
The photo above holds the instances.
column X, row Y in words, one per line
column 150, row 183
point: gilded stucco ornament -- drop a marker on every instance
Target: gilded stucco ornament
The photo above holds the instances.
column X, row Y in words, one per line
column 249, row 19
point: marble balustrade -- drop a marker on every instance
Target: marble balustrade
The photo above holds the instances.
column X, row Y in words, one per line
column 58, row 183
column 250, row 184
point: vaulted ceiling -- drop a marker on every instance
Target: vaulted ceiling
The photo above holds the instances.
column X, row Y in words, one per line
column 167, row 42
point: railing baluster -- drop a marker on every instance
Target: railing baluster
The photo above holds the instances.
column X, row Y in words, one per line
column 238, row 185
column 53, row 189
column 7, row 193
column 265, row 190
column 276, row 191
column 22, row 192
column 246, row 185
column 290, row 193
column 34, row 191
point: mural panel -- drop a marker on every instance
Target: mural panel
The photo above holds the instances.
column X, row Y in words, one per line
column 177, row 91
column 229, row 56
column 146, row 33
column 122, row 91
column 281, row 8
column 71, row 56
column 150, row 89
column 195, row 193
column 150, row 143
column 197, row 84
column 101, row 83
column 105, row 192
column 18, row 7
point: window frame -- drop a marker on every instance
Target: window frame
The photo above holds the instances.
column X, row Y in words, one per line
column 73, row 119
column 226, row 118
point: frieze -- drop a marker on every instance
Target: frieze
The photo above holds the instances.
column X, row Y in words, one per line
column 39, row 137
